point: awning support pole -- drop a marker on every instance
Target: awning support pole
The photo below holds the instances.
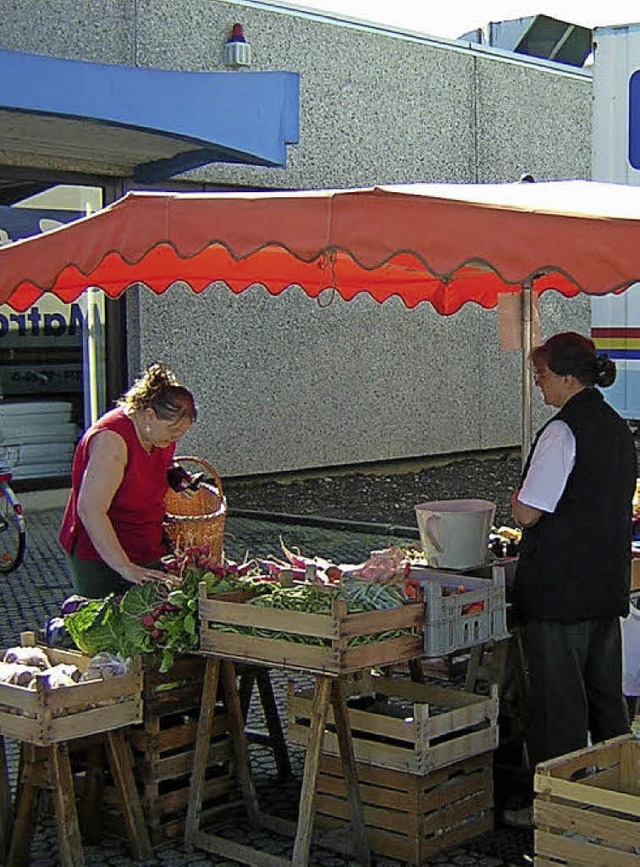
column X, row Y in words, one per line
column 527, row 346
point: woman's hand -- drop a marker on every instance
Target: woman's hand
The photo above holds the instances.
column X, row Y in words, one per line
column 141, row 575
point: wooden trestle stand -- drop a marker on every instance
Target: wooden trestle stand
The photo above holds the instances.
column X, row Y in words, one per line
column 329, row 690
column 48, row 767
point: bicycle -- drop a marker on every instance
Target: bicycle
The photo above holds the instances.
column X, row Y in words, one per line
column 13, row 535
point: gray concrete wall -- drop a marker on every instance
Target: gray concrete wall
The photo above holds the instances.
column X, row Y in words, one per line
column 285, row 383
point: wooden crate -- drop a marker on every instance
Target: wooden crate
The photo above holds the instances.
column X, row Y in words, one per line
column 410, row 727
column 46, row 716
column 164, row 745
column 337, row 651
column 587, row 807
column 411, row 817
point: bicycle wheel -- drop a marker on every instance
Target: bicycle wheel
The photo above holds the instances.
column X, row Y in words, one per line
column 12, row 530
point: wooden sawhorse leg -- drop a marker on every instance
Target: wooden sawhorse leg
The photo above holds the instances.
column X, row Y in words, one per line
column 90, row 802
column 121, row 764
column 6, row 811
column 44, row 766
column 201, row 752
column 217, row 670
column 329, row 689
column 275, row 739
column 477, row 669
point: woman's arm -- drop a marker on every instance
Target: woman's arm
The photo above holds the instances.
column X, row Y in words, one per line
column 102, row 478
column 523, row 515
column 551, row 463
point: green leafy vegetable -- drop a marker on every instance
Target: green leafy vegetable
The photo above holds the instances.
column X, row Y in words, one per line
column 112, row 626
column 91, row 626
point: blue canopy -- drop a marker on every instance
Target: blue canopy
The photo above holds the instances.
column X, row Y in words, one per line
column 146, row 123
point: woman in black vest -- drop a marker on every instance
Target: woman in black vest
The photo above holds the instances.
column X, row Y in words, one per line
column 572, row 580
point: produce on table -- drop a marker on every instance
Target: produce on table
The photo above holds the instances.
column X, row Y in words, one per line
column 504, row 541
column 23, row 666
column 157, row 617
column 18, row 674
column 56, row 635
column 163, row 617
column 102, row 666
column 381, row 583
column 33, row 656
column 62, row 674
column 72, row 604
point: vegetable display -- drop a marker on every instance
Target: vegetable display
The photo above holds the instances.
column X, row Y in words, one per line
column 27, row 665
column 379, row 584
column 162, row 617
column 157, row 617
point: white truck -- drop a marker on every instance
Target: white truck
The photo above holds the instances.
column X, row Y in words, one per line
column 615, row 319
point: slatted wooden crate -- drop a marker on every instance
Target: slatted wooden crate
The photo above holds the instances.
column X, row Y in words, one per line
column 587, row 807
column 46, row 716
column 340, row 645
column 163, row 750
column 406, row 726
column 411, row 817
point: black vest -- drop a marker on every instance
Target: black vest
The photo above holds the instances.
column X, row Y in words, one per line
column 574, row 564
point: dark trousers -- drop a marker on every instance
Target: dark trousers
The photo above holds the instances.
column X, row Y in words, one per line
column 575, row 682
column 94, row 579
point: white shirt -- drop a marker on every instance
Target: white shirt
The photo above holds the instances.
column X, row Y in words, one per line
column 553, row 459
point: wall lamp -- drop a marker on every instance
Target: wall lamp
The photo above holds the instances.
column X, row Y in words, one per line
column 237, row 51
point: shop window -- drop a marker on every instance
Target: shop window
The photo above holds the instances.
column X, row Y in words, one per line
column 45, row 352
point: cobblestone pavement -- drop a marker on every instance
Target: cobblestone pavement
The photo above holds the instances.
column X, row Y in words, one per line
column 32, row 593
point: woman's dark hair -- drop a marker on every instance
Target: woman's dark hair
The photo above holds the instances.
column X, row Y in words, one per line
column 572, row 354
column 159, row 390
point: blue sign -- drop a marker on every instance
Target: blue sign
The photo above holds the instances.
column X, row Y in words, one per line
column 634, row 120
column 16, row 222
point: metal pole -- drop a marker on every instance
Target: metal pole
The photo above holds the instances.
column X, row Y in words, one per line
column 93, row 351
column 527, row 346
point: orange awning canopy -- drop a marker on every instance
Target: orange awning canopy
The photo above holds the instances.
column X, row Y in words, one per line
column 447, row 244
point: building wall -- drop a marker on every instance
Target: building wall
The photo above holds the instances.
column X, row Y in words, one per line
column 286, row 383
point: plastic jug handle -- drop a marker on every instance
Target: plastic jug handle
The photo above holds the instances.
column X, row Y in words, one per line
column 429, row 534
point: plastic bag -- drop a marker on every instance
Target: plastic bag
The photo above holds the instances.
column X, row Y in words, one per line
column 631, row 652
column 104, row 665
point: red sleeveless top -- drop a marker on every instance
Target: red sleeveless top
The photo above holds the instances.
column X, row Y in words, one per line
column 137, row 509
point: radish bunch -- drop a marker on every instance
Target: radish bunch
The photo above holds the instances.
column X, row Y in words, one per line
column 153, row 622
column 198, row 557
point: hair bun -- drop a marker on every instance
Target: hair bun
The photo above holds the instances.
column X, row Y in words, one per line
column 158, row 376
column 605, row 370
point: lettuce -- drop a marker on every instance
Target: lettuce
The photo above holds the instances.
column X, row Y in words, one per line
column 92, row 626
column 112, row 625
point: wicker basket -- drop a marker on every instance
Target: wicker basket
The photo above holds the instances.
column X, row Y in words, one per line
column 197, row 518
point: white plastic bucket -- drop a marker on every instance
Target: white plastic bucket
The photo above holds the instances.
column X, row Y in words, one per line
column 455, row 533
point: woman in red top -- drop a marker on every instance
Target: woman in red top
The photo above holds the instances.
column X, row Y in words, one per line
column 112, row 526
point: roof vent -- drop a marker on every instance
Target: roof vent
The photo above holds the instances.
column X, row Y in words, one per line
column 538, row 36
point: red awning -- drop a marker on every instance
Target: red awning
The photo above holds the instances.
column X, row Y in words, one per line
column 447, row 244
